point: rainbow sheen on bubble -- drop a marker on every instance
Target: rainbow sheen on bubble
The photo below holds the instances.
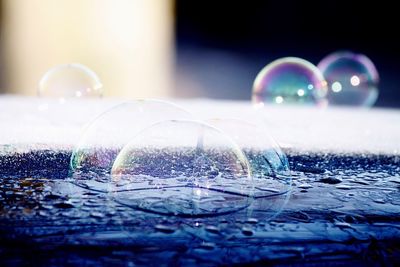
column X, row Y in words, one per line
column 352, row 79
column 290, row 80
column 184, row 168
column 70, row 81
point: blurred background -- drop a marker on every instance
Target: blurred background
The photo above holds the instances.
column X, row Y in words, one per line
column 213, row 49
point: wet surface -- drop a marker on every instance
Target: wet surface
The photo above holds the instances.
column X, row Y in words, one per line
column 342, row 210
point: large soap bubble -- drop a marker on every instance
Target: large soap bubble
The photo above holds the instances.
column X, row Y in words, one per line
column 184, row 168
column 105, row 136
column 268, row 163
column 265, row 155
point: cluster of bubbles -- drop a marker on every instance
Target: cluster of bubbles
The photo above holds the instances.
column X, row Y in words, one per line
column 341, row 78
column 155, row 156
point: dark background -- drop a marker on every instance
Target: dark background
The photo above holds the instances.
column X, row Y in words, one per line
column 221, row 45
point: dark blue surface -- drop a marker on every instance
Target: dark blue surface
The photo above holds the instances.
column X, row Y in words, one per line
column 344, row 209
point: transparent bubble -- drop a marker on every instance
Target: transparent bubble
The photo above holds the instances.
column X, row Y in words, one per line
column 352, row 79
column 70, row 81
column 264, row 154
column 268, row 163
column 185, row 168
column 105, row 136
column 290, row 80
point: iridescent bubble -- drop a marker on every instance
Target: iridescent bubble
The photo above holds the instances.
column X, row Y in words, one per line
column 352, row 79
column 105, row 136
column 70, row 81
column 268, row 163
column 290, row 80
column 182, row 167
column 264, row 154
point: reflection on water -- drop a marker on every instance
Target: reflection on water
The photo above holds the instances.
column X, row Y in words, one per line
column 345, row 206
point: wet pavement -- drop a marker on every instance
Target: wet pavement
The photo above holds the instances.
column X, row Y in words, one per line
column 342, row 210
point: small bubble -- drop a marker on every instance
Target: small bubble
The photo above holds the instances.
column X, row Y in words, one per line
column 290, row 80
column 252, row 220
column 207, row 245
column 352, row 79
column 343, row 224
column 70, row 81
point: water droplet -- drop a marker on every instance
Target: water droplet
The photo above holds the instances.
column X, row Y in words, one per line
column 379, row 201
column 97, row 215
column 305, row 186
column 330, row 180
column 268, row 189
column 344, row 187
column 247, row 231
column 394, row 180
column 343, row 225
column 47, row 207
column 44, row 213
column 212, row 229
column 63, row 205
column 52, row 197
column 165, row 229
column 359, row 181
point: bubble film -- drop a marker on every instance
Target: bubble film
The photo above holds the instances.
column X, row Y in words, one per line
column 70, row 81
column 352, row 79
column 290, row 80
column 268, row 163
column 105, row 136
column 185, row 168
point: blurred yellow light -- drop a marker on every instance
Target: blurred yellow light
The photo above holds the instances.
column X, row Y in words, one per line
column 128, row 43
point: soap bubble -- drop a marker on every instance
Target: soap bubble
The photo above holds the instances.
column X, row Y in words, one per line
column 290, row 80
column 105, row 136
column 70, row 81
column 182, row 167
column 268, row 163
column 352, row 79
column 266, row 157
